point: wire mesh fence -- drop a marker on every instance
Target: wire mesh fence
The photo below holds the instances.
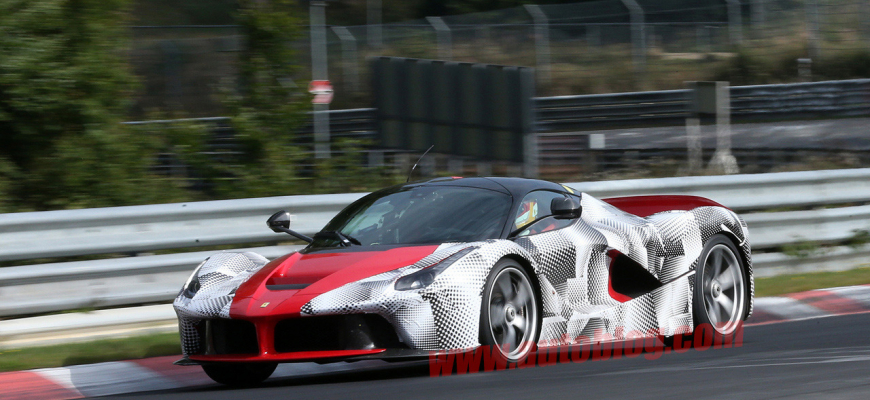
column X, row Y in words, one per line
column 601, row 46
column 589, row 47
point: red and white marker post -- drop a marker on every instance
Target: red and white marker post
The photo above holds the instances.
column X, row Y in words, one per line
column 322, row 91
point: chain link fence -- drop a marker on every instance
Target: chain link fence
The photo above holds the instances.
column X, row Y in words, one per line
column 590, row 47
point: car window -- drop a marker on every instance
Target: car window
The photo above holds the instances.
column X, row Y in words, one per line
column 421, row 215
column 536, row 205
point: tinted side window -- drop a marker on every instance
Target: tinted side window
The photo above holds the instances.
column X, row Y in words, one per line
column 535, row 205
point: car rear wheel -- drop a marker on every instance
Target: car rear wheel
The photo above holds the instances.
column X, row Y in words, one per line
column 509, row 312
column 719, row 299
column 720, row 286
column 239, row 374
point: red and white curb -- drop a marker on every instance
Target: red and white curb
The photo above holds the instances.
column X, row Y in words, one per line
column 147, row 374
column 811, row 304
column 159, row 373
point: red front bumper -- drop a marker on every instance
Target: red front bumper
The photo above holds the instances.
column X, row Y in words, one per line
column 285, row 357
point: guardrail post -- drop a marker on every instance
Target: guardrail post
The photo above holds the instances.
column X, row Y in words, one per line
column 638, row 35
column 711, row 99
column 348, row 52
column 693, row 143
column 542, row 41
column 723, row 158
column 595, row 142
column 693, row 132
column 445, row 42
column 735, row 22
column 813, row 38
column 317, row 13
column 374, row 28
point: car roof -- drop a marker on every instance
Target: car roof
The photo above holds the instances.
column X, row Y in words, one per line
column 516, row 187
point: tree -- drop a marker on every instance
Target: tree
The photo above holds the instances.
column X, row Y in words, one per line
column 265, row 104
column 64, row 89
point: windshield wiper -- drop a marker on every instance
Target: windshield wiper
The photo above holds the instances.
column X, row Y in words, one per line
column 346, row 240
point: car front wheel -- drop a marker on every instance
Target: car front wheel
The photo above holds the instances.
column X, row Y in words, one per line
column 509, row 312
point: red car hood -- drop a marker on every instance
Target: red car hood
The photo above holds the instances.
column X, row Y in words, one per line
column 284, row 285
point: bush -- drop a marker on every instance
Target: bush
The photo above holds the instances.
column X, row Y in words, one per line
column 64, row 90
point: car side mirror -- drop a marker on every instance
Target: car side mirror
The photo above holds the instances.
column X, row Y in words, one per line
column 278, row 220
column 565, row 208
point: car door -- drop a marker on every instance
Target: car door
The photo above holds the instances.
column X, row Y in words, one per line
column 571, row 265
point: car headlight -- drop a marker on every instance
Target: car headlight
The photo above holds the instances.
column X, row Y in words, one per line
column 426, row 276
column 192, row 285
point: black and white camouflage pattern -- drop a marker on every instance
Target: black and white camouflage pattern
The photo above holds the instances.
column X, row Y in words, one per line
column 219, row 276
column 571, row 265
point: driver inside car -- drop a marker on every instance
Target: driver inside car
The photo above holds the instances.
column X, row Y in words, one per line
column 527, row 214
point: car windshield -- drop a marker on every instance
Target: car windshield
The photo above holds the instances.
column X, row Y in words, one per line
column 420, row 215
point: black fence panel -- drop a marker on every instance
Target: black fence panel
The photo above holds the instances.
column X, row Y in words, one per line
column 474, row 110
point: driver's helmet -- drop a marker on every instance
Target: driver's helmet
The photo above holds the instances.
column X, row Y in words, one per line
column 527, row 213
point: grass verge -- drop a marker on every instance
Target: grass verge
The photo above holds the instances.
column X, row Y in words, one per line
column 168, row 343
column 784, row 284
column 163, row 344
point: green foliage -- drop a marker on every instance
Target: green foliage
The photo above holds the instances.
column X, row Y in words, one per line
column 155, row 345
column 265, row 104
column 187, row 12
column 64, row 86
column 756, row 67
column 7, row 176
column 858, row 239
column 784, row 284
column 802, row 249
column 848, row 64
column 345, row 171
column 266, row 108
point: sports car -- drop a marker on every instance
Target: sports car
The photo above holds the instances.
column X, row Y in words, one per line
column 451, row 264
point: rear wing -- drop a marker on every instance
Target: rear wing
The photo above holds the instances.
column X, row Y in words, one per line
column 644, row 206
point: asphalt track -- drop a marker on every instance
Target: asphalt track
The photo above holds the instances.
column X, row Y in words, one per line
column 823, row 357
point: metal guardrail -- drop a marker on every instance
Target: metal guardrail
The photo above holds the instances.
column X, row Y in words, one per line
column 598, row 111
column 352, row 122
column 43, row 288
column 35, row 289
column 744, row 193
column 828, row 99
column 137, row 229
column 562, row 120
column 358, row 122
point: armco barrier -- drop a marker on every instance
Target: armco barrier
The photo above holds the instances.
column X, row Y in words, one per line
column 157, row 227
column 827, row 99
column 35, row 289
column 750, row 192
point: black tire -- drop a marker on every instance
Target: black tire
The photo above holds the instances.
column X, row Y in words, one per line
column 509, row 312
column 239, row 374
column 705, row 290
